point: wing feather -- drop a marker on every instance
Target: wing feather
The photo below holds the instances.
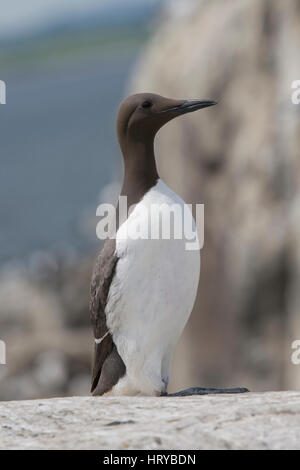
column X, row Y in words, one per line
column 103, row 274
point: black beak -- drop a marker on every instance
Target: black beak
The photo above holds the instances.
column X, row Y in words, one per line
column 188, row 106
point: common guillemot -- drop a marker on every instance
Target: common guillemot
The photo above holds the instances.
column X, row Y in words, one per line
column 143, row 291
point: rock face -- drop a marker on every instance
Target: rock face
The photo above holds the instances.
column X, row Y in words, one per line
column 241, row 159
column 44, row 322
column 268, row 420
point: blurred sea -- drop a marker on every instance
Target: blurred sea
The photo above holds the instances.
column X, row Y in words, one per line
column 65, row 75
column 58, row 149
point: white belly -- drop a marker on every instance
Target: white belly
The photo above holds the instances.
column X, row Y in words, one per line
column 150, row 299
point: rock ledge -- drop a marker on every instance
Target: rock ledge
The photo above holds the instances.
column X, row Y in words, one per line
column 269, row 420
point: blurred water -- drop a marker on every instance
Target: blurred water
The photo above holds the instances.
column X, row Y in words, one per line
column 58, row 149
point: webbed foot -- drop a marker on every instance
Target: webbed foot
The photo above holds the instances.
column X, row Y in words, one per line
column 205, row 391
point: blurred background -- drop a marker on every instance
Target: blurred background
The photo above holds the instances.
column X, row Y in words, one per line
column 67, row 65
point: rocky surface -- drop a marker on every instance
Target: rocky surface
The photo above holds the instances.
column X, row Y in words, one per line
column 268, row 420
column 44, row 322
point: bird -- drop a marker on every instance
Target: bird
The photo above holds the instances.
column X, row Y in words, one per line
column 143, row 289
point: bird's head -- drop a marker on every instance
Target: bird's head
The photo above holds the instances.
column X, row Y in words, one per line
column 142, row 115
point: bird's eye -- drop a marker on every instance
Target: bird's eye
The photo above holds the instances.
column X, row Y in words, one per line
column 147, row 104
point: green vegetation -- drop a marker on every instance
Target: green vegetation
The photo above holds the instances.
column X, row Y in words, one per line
column 49, row 50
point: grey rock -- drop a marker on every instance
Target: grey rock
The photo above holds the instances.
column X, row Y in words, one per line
column 268, row 420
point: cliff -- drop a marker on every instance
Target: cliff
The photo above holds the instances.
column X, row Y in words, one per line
column 241, row 159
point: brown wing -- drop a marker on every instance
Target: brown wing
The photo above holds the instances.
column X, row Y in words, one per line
column 101, row 279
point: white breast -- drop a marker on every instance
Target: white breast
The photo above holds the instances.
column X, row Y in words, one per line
column 150, row 298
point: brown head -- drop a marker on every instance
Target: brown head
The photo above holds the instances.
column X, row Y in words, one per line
column 142, row 115
column 140, row 118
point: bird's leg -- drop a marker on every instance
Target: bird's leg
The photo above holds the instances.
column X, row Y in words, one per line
column 205, row 391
